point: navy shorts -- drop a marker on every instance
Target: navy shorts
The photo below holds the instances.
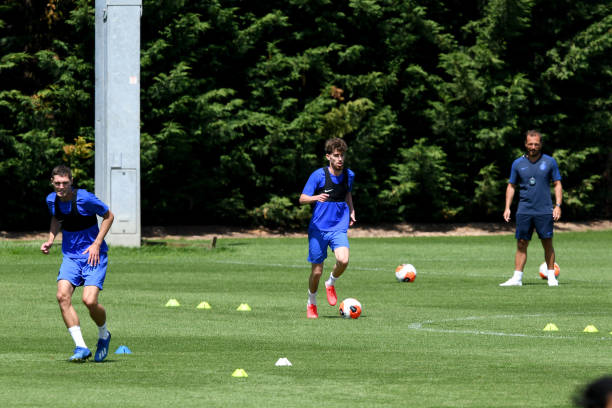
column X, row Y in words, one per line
column 525, row 224
column 79, row 273
column 319, row 240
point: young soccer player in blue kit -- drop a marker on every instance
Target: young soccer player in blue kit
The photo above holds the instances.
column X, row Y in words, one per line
column 84, row 256
column 533, row 173
column 328, row 190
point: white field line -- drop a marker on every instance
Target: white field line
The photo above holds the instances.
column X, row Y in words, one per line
column 421, row 327
column 305, row 265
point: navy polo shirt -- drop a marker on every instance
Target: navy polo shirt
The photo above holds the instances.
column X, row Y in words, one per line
column 534, row 181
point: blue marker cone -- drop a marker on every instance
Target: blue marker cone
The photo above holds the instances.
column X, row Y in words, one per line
column 123, row 350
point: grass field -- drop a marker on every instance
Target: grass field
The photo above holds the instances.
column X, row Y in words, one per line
column 453, row 338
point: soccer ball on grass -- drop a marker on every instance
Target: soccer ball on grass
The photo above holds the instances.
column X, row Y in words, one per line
column 405, row 273
column 350, row 308
column 544, row 271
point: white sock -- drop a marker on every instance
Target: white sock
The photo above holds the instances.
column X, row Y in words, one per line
column 103, row 332
column 551, row 274
column 331, row 281
column 77, row 336
column 312, row 298
column 518, row 275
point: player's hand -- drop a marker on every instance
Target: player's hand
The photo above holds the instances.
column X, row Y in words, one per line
column 322, row 197
column 45, row 247
column 556, row 213
column 507, row 215
column 94, row 254
column 353, row 220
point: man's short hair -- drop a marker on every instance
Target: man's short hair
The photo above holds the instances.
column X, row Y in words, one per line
column 533, row 132
column 596, row 394
column 335, row 144
column 61, row 170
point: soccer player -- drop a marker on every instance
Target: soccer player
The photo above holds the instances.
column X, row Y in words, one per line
column 328, row 190
column 533, row 173
column 85, row 256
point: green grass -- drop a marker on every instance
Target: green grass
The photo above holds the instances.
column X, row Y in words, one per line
column 453, row 338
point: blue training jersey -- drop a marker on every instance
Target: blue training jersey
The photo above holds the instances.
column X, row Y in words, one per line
column 534, row 180
column 328, row 216
column 75, row 242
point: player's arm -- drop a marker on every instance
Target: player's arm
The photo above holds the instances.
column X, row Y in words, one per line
column 306, row 199
column 53, row 231
column 94, row 249
column 509, row 196
column 349, row 201
column 558, row 199
column 316, row 179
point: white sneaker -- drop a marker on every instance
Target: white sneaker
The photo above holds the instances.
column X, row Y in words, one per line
column 512, row 282
column 552, row 281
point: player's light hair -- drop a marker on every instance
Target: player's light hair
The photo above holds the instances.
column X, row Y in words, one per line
column 335, row 144
column 61, row 170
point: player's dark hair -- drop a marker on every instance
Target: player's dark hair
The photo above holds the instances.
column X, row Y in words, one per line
column 533, row 132
column 335, row 144
column 595, row 394
column 61, row 170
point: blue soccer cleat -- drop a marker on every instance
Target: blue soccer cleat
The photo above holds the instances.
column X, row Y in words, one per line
column 102, row 349
column 80, row 354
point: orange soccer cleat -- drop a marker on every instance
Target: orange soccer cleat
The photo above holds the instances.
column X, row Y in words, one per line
column 331, row 295
column 311, row 312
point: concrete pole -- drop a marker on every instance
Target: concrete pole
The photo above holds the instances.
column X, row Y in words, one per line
column 117, row 104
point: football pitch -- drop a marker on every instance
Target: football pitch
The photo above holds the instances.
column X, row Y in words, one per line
column 453, row 338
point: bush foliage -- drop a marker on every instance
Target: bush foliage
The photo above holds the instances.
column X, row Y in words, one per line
column 238, row 97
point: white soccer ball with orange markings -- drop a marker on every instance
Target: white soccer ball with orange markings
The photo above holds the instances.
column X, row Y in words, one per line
column 405, row 273
column 350, row 308
column 544, row 271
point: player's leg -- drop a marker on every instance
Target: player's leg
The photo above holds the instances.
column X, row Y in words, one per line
column 313, row 285
column 315, row 276
column 68, row 278
column 64, row 299
column 96, row 310
column 544, row 228
column 549, row 257
column 94, row 280
column 317, row 252
column 342, row 261
column 549, row 253
column 342, row 256
column 520, row 258
column 339, row 244
column 524, row 231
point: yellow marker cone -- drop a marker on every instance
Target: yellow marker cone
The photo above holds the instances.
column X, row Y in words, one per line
column 550, row 327
column 203, row 305
column 173, row 303
column 244, row 308
column 590, row 329
column 239, row 373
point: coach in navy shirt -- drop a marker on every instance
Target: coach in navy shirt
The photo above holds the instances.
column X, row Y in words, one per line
column 533, row 173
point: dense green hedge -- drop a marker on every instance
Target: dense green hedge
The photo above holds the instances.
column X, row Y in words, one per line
column 238, row 97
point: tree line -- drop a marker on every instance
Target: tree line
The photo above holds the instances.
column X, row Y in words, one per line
column 238, row 97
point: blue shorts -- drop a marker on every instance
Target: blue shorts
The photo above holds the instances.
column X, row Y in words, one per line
column 319, row 240
column 79, row 273
column 525, row 223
